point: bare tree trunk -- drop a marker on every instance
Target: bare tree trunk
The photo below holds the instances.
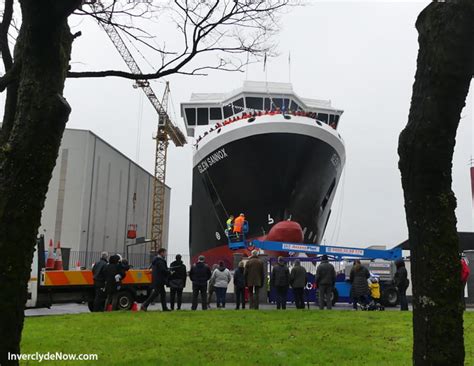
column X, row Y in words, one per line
column 28, row 152
column 426, row 145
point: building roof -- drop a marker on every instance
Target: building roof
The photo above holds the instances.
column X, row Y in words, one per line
column 113, row 148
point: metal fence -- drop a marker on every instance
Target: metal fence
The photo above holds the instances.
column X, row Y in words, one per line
column 136, row 259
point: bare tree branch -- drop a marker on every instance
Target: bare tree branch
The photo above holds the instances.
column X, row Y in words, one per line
column 222, row 27
column 10, row 76
column 4, row 28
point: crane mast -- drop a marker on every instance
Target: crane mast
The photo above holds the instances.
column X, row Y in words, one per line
column 167, row 130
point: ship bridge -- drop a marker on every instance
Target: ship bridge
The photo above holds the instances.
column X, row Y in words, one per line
column 205, row 109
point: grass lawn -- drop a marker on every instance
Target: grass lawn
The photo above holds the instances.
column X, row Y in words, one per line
column 231, row 337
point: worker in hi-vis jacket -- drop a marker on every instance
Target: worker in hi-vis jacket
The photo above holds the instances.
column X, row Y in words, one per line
column 239, row 224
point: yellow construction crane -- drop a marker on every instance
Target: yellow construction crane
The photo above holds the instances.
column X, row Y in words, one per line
column 167, row 130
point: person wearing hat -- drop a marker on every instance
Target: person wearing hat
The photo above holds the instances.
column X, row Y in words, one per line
column 325, row 281
column 199, row 274
column 177, row 281
column 254, row 274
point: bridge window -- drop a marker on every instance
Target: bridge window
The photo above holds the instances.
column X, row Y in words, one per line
column 294, row 106
column 277, row 103
column 254, row 103
column 268, row 105
column 216, row 114
column 323, row 117
column 190, row 116
column 238, row 105
column 203, row 116
column 228, row 111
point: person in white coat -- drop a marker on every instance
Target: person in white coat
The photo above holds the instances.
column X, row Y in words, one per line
column 221, row 278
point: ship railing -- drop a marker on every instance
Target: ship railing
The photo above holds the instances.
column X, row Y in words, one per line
column 250, row 115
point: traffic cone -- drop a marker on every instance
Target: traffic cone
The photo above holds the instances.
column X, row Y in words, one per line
column 50, row 260
column 78, row 266
column 134, row 306
column 58, row 261
column 109, row 307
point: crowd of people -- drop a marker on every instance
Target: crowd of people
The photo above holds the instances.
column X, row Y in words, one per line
column 248, row 114
column 109, row 273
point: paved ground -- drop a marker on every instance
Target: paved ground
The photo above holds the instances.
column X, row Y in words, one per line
column 82, row 308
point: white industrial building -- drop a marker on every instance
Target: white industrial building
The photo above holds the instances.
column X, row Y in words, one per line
column 94, row 195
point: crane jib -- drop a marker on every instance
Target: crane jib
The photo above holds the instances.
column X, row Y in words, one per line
column 167, row 130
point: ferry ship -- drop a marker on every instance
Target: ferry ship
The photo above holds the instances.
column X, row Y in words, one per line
column 264, row 151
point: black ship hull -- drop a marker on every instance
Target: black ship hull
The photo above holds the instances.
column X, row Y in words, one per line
column 271, row 171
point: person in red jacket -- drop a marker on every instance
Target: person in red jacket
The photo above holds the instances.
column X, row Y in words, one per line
column 465, row 271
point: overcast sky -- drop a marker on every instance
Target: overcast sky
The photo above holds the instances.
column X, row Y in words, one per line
column 361, row 56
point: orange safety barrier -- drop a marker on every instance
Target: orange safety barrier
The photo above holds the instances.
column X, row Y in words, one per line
column 85, row 278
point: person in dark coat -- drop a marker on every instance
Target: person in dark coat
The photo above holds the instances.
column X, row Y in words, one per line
column 401, row 282
column 98, row 273
column 254, row 273
column 199, row 274
column 113, row 274
column 160, row 274
column 298, row 282
column 280, row 280
column 124, row 266
column 325, row 281
column 177, row 281
column 239, row 286
column 360, row 286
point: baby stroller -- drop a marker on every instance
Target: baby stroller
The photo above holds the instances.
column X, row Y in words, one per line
column 374, row 306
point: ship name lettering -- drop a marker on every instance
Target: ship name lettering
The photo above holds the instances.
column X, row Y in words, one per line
column 211, row 160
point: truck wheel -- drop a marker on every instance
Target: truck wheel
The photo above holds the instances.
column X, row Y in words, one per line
column 125, row 300
column 390, row 296
column 335, row 296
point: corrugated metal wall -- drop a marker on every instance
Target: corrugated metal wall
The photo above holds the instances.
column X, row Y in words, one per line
column 94, row 194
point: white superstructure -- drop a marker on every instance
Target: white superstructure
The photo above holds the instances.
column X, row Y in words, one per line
column 207, row 109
